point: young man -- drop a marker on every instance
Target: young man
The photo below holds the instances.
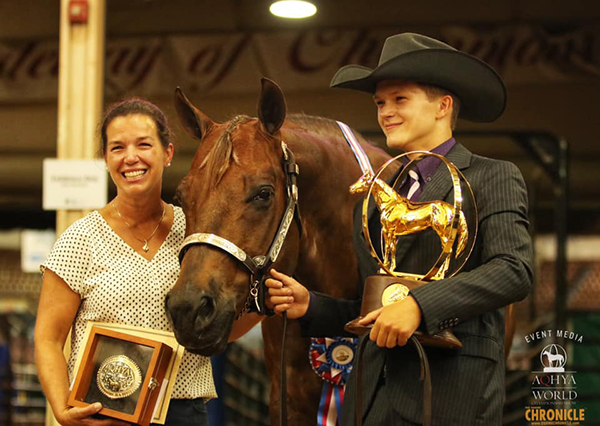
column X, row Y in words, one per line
column 420, row 87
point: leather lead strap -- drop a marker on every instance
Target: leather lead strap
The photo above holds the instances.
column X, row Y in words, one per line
column 425, row 377
column 359, row 385
column 283, row 377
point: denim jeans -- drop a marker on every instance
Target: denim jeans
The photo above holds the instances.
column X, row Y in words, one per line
column 187, row 412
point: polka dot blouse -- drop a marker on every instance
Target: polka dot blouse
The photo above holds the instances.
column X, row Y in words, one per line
column 117, row 285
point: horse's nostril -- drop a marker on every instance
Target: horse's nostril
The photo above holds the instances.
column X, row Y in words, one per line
column 191, row 311
column 206, row 307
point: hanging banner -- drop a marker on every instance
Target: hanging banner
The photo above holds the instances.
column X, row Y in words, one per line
column 232, row 64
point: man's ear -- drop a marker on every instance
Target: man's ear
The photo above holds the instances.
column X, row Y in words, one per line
column 446, row 104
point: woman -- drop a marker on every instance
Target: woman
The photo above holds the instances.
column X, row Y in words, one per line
column 117, row 264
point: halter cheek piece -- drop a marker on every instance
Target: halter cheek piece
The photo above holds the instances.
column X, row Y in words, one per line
column 258, row 265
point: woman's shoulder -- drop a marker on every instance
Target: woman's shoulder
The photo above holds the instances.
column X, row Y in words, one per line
column 178, row 222
column 177, row 210
column 86, row 225
column 178, row 215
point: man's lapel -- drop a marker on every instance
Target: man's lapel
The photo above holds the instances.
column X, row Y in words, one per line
column 441, row 183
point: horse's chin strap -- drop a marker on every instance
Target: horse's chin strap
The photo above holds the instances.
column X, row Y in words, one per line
column 258, row 265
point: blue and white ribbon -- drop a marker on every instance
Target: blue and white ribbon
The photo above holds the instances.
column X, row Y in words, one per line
column 359, row 153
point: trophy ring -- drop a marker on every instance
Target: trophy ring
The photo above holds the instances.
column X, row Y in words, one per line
column 456, row 176
column 118, row 377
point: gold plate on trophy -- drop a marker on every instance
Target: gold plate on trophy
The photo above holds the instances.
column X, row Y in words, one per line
column 394, row 293
column 118, row 377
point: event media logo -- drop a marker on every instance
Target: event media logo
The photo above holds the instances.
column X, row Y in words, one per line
column 554, row 389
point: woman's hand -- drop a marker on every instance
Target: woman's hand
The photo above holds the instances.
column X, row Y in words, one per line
column 287, row 295
column 56, row 312
column 394, row 323
column 81, row 416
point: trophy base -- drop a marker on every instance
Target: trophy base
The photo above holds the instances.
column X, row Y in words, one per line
column 382, row 290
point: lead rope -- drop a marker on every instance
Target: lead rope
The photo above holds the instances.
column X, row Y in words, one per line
column 283, row 377
column 425, row 378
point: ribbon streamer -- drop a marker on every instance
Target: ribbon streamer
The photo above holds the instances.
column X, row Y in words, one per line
column 332, row 359
column 359, row 153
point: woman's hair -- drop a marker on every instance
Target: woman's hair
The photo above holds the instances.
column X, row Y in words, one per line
column 136, row 106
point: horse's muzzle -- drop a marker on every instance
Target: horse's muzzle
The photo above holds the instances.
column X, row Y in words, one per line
column 200, row 325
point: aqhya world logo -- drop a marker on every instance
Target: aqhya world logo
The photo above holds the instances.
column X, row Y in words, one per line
column 554, row 388
column 553, row 383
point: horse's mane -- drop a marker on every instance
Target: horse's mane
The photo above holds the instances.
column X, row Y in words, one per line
column 221, row 154
column 320, row 126
column 218, row 159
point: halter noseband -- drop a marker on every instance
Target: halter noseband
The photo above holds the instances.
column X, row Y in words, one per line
column 258, row 265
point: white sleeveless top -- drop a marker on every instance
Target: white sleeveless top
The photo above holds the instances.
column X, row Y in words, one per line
column 117, row 285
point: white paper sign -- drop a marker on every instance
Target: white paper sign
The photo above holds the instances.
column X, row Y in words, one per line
column 74, row 184
column 35, row 247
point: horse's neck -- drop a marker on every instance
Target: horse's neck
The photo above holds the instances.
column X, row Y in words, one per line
column 326, row 213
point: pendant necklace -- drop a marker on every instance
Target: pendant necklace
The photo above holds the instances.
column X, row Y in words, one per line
column 145, row 241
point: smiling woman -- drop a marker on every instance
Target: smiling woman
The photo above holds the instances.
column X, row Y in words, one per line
column 117, row 264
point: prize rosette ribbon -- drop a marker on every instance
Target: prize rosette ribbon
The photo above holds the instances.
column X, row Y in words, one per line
column 332, row 359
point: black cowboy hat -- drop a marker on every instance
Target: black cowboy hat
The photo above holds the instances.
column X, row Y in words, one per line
column 421, row 59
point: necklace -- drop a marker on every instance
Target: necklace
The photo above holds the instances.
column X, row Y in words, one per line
column 145, row 241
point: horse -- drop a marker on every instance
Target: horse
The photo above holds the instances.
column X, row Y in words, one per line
column 400, row 216
column 236, row 189
column 554, row 358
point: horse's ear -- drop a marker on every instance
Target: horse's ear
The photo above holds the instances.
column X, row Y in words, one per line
column 271, row 106
column 194, row 121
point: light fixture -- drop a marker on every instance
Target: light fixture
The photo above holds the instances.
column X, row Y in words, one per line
column 294, row 9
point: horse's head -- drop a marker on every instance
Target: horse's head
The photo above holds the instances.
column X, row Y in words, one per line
column 236, row 190
column 362, row 185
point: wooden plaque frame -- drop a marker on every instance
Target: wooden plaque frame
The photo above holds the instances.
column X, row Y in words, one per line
column 153, row 372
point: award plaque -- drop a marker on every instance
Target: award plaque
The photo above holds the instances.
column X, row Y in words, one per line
column 123, row 372
column 399, row 217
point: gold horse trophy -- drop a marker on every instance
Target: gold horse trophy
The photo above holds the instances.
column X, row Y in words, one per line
column 400, row 216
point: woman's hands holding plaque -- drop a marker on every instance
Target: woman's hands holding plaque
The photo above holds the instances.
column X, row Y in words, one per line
column 395, row 323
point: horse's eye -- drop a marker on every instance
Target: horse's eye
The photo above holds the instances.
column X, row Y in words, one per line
column 263, row 195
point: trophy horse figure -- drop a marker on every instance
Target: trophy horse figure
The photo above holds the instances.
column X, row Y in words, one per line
column 400, row 216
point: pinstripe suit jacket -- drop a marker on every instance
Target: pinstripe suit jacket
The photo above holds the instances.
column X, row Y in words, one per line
column 468, row 384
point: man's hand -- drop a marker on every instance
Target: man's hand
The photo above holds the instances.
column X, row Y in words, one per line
column 394, row 323
column 287, row 295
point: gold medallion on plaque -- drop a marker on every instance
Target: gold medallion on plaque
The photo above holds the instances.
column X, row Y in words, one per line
column 394, row 293
column 118, row 377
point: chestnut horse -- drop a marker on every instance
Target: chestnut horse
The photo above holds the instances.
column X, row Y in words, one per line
column 236, row 189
